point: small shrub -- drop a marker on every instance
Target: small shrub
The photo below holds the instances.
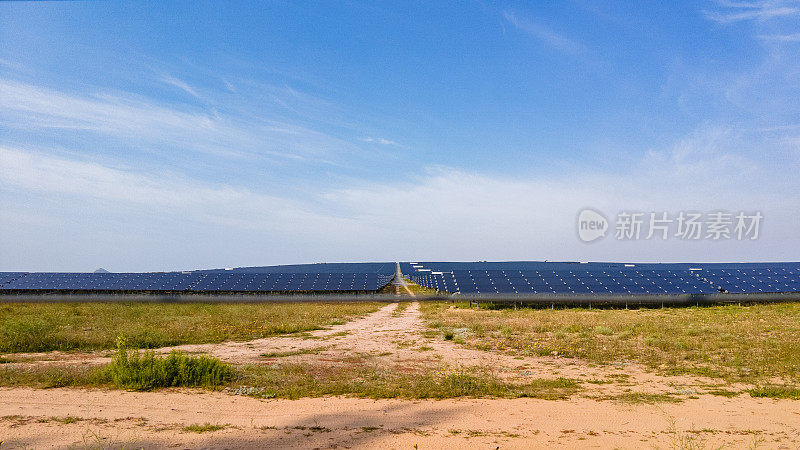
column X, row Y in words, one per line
column 143, row 372
column 448, row 335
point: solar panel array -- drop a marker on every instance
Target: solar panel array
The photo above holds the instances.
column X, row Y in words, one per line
column 525, row 277
column 385, row 268
column 605, row 278
column 217, row 282
column 752, row 280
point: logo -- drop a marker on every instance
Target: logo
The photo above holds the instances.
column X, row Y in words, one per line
column 592, row 225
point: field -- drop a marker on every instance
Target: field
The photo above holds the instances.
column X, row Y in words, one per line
column 41, row 327
column 699, row 373
column 755, row 343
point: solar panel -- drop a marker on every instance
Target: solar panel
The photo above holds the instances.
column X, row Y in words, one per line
column 485, row 278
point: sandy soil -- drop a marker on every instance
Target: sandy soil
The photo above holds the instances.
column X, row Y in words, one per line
column 396, row 339
column 153, row 420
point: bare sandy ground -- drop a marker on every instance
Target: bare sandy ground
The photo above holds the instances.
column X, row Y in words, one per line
column 152, row 420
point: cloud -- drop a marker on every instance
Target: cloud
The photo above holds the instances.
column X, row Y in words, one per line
column 160, row 220
column 229, row 86
column 709, row 152
column 545, row 35
column 180, row 84
column 143, row 122
column 10, row 64
column 732, row 12
column 37, row 172
column 795, row 37
column 381, row 141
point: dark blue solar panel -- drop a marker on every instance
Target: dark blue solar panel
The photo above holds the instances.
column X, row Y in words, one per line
column 572, row 281
column 524, row 277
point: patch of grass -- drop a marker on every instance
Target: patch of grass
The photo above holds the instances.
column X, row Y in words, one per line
column 417, row 289
column 303, row 351
column 204, row 428
column 776, row 391
column 642, row 397
column 401, row 307
column 66, row 419
column 735, row 343
column 723, row 393
column 132, row 370
column 602, row 329
column 685, row 440
column 295, row 381
column 40, row 327
column 599, row 381
column 53, row 376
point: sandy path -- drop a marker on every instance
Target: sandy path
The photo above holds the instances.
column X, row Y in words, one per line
column 396, row 339
column 155, row 420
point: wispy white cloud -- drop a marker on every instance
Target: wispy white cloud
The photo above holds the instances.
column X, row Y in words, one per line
column 709, row 152
column 10, row 64
column 180, row 84
column 144, row 122
column 732, row 12
column 544, row 34
column 229, row 86
column 794, row 37
column 381, row 141
column 162, row 193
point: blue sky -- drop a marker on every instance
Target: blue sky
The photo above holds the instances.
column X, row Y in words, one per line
column 177, row 135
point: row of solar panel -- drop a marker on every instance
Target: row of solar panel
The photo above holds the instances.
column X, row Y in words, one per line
column 410, row 268
column 610, row 282
column 383, row 268
column 193, row 281
column 573, row 275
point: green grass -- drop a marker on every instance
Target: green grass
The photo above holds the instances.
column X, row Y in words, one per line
column 204, row 428
column 736, row 343
column 295, row 381
column 776, row 391
column 53, row 376
column 66, row 420
column 723, row 393
column 40, row 327
column 302, row 351
column 641, row 397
